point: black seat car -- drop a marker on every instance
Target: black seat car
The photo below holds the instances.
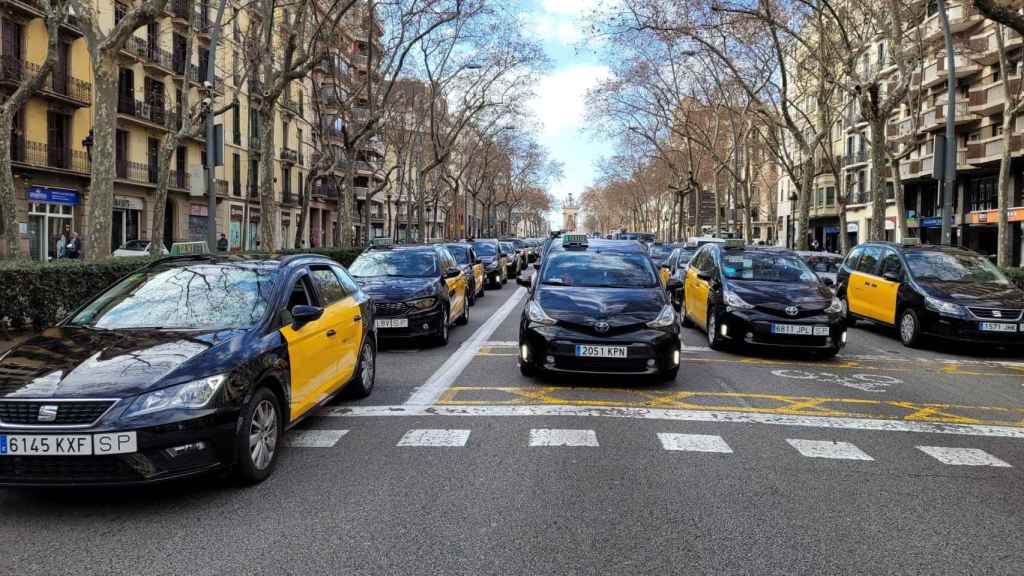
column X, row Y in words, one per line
column 186, row 366
column 496, row 261
column 597, row 306
column 417, row 290
column 763, row 296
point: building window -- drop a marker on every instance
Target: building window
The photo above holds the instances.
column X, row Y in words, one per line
column 286, row 188
column 830, row 196
column 236, row 174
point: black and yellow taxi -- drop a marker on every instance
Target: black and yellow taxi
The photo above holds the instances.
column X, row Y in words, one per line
column 495, row 260
column 677, row 263
column 927, row 290
column 597, row 306
column 472, row 268
column 189, row 365
column 417, row 290
column 659, row 253
column 761, row 296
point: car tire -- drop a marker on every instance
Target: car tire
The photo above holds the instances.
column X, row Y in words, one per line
column 715, row 341
column 910, row 328
column 504, row 277
column 365, row 375
column 847, row 317
column 684, row 320
column 483, row 288
column 464, row 319
column 668, row 375
column 471, row 295
column 441, row 337
column 829, row 353
column 262, row 418
column 528, row 370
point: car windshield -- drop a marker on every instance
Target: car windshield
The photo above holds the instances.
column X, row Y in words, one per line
column 485, row 248
column 824, row 264
column 460, row 253
column 507, row 247
column 766, row 267
column 953, row 267
column 200, row 296
column 599, row 270
column 660, row 252
column 400, row 263
column 136, row 245
column 684, row 258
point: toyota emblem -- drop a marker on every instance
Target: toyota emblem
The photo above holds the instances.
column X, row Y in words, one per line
column 601, row 327
column 792, row 310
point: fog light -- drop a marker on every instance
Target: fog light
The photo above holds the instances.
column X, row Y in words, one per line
column 750, row 335
column 843, row 337
column 725, row 330
column 523, row 352
column 185, row 449
column 650, row 363
column 675, row 357
column 426, row 326
column 549, row 359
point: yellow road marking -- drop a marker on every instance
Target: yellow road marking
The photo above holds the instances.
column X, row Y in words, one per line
column 736, row 402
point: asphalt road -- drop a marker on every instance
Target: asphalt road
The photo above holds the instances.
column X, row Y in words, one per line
column 883, row 460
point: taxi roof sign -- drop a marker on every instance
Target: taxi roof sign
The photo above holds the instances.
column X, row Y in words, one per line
column 382, row 242
column 910, row 241
column 574, row 240
column 734, row 243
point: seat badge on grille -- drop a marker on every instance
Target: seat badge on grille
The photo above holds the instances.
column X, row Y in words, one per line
column 792, row 310
column 47, row 413
column 997, row 314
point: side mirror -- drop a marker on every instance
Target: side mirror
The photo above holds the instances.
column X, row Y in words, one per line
column 673, row 284
column 302, row 315
column 705, row 276
column 665, row 266
column 536, row 265
column 477, row 261
column 828, row 282
column 891, row 276
column 452, row 273
column 523, row 280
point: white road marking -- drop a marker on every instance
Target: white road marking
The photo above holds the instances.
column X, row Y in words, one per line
column 828, row 449
column 865, row 382
column 501, row 343
column 443, row 378
column 693, row 443
column 313, row 438
column 684, row 416
column 557, row 437
column 691, row 349
column 963, row 456
column 435, row 438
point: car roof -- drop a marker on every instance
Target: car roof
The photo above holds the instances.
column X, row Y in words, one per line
column 267, row 260
column 918, row 247
column 603, row 245
column 822, row 254
column 748, row 249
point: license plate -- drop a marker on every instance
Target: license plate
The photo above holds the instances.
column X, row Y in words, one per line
column 68, row 444
column 601, row 351
column 793, row 329
column 998, row 327
column 392, row 323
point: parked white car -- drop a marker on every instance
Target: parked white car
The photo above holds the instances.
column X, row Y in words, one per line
column 135, row 248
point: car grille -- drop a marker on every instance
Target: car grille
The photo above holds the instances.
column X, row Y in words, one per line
column 391, row 308
column 612, row 330
column 69, row 413
column 790, row 340
column 82, row 469
column 601, row 364
column 996, row 313
column 780, row 311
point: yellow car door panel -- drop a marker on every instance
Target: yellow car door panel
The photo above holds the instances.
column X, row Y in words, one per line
column 860, row 290
column 886, row 287
column 310, row 367
column 344, row 331
column 856, row 293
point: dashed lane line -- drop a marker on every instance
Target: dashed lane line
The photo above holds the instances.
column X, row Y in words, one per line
column 693, row 443
column 313, row 438
column 435, row 438
column 561, row 437
column 445, row 375
column 963, row 456
column 828, row 449
column 731, row 417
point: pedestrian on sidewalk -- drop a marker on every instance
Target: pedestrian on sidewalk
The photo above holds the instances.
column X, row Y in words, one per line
column 74, row 247
column 222, row 244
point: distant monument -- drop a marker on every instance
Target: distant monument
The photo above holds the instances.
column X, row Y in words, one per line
column 569, row 210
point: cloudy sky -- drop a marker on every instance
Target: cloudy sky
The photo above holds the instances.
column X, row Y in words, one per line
column 559, row 106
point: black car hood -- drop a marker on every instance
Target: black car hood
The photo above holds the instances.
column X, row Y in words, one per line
column 782, row 294
column 617, row 306
column 975, row 294
column 394, row 289
column 487, row 259
column 65, row 362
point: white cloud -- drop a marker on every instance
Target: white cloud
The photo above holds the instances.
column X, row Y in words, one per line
column 560, row 101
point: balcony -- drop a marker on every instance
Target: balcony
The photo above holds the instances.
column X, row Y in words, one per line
column 991, row 150
column 147, row 113
column 359, row 59
column 360, row 114
column 990, row 98
column 965, row 66
column 42, row 155
column 201, row 22
column 854, row 158
column 935, row 119
column 961, row 17
column 289, row 155
column 181, row 10
column 60, row 87
column 984, row 49
column 375, row 146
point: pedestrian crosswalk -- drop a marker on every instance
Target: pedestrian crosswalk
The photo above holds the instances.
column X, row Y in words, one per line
column 827, row 449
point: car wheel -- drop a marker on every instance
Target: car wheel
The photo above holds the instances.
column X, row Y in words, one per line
column 257, row 439
column 441, row 338
column 910, row 329
column 464, row 319
column 715, row 341
column 365, row 375
column 504, row 276
column 829, row 353
column 483, row 288
column 471, row 295
column 528, row 370
column 684, row 320
column 850, row 320
column 668, row 375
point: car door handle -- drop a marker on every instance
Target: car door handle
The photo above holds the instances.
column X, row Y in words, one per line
column 357, row 318
column 331, row 332
column 867, row 283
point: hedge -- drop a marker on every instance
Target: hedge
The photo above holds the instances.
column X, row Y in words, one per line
column 34, row 294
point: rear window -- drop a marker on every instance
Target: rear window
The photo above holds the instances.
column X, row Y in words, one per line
column 599, row 270
column 764, row 267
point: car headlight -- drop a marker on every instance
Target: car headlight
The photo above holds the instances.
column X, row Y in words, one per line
column 835, row 307
column 665, row 318
column 945, row 308
column 190, row 395
column 423, row 303
column 734, row 301
column 536, row 314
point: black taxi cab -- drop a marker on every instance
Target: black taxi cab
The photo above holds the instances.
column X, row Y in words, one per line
column 761, row 296
column 188, row 365
column 472, row 268
column 927, row 290
column 417, row 290
column 495, row 260
column 597, row 306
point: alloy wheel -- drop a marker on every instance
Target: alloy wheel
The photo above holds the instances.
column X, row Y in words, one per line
column 263, row 435
column 908, row 327
column 369, row 365
column 711, row 328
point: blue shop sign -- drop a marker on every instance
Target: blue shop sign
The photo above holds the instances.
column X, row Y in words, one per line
column 933, row 222
column 52, row 195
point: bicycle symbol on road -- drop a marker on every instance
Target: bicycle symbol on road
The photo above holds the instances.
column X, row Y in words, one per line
column 865, row 382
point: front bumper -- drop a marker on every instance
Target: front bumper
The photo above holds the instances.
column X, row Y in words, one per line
column 968, row 330
column 755, row 327
column 423, row 323
column 153, row 462
column 553, row 348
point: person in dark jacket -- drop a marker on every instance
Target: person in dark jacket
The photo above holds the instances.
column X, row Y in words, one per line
column 222, row 244
column 74, row 248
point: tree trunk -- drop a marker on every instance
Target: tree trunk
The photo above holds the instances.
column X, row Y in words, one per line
column 8, row 208
column 421, row 204
column 303, row 221
column 718, row 208
column 878, row 199
column 100, row 199
column 268, row 207
column 803, row 197
column 897, row 186
column 167, row 147
column 1004, row 249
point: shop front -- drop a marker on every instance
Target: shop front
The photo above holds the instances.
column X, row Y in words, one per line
column 125, row 223
column 51, row 216
column 982, row 232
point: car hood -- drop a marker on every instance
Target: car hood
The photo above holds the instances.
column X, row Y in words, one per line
column 782, row 294
column 974, row 294
column 617, row 306
column 66, row 362
column 393, row 289
column 487, row 259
